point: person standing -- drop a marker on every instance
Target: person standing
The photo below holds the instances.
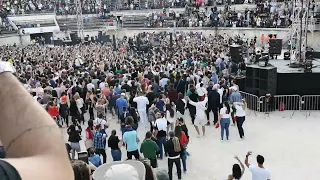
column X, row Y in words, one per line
column 173, row 148
column 89, row 136
column 200, row 115
column 170, row 116
column 235, row 96
column 152, row 115
column 258, row 172
column 224, row 119
column 183, row 141
column 193, row 96
column 160, row 132
column 180, row 105
column 149, row 149
column 120, row 103
column 99, row 143
column 142, row 103
column 114, row 144
column 74, row 138
column 130, row 138
column 240, row 116
column 213, row 105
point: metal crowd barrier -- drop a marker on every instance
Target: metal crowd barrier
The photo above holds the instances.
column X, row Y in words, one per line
column 310, row 103
column 280, row 103
column 251, row 100
column 292, row 103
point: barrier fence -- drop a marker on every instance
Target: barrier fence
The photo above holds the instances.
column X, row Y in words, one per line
column 281, row 102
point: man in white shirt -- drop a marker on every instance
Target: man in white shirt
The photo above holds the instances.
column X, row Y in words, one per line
column 258, row 172
column 142, row 103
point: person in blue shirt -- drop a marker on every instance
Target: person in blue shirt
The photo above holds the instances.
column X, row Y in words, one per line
column 121, row 102
column 93, row 158
column 130, row 138
column 160, row 103
column 235, row 96
column 214, row 78
column 117, row 89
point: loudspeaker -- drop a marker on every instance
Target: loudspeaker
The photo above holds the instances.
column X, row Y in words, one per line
column 86, row 38
column 114, row 42
column 275, row 46
column 74, row 37
column 261, row 80
column 57, row 42
column 92, row 39
column 286, row 55
column 105, row 38
column 99, row 34
column 171, row 42
column 235, row 53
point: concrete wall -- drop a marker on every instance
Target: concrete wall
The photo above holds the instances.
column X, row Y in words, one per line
column 22, row 40
column 31, row 18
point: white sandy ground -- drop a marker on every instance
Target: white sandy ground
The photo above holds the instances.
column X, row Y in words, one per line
column 288, row 140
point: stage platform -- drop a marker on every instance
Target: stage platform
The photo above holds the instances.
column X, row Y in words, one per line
column 294, row 81
column 283, row 66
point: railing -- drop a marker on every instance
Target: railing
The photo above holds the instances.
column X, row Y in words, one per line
column 292, row 103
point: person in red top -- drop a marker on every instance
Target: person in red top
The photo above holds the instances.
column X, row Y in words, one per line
column 183, row 141
column 53, row 110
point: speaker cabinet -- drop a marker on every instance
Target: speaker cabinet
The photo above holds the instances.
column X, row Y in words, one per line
column 235, row 53
column 261, row 80
column 275, row 46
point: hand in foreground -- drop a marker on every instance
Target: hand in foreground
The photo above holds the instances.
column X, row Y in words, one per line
column 249, row 153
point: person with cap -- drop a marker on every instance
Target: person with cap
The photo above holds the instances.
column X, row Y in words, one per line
column 235, row 96
column 149, row 149
column 174, row 149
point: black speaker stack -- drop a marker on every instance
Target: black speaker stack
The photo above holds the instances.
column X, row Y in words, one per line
column 74, row 38
column 171, row 41
column 275, row 46
column 261, row 80
column 235, row 53
column 114, row 42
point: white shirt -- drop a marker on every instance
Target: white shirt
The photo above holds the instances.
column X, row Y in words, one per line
column 142, row 102
column 220, row 91
column 102, row 85
column 100, row 121
column 240, row 111
column 90, row 86
column 259, row 173
column 161, row 124
column 201, row 91
column 224, row 114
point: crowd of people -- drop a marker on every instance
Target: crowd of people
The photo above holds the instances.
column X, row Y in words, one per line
column 142, row 87
column 93, row 7
column 266, row 15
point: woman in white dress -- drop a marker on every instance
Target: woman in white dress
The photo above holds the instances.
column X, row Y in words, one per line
column 170, row 115
column 201, row 117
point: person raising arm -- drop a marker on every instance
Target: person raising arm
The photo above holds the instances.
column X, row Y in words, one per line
column 32, row 140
